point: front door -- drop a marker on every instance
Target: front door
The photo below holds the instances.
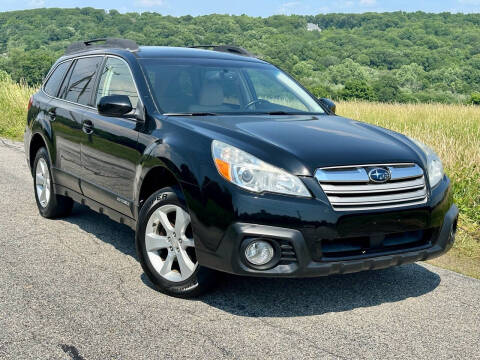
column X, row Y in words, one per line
column 110, row 153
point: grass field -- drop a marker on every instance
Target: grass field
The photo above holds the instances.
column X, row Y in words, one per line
column 13, row 102
column 453, row 131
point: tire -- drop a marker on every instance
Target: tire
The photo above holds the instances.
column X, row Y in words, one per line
column 165, row 246
column 50, row 205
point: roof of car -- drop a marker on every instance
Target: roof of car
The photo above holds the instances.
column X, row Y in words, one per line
column 165, row 52
column 182, row 52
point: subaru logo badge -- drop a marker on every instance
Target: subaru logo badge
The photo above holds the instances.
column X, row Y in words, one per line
column 379, row 175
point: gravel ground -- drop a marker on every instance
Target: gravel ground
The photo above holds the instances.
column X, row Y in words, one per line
column 73, row 289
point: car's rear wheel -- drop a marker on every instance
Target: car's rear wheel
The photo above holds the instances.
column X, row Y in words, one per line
column 166, row 247
column 50, row 205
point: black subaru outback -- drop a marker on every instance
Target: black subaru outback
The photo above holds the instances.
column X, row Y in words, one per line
column 221, row 161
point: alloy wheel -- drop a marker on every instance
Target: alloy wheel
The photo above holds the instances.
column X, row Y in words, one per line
column 169, row 243
column 42, row 182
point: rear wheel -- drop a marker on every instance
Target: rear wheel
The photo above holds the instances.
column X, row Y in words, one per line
column 50, row 205
column 166, row 248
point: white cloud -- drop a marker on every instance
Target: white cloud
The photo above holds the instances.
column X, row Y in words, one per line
column 36, row 3
column 288, row 7
column 149, row 3
column 368, row 2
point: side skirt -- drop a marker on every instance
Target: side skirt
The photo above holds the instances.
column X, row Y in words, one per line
column 96, row 206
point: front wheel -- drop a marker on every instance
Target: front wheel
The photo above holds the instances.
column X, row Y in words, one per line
column 165, row 246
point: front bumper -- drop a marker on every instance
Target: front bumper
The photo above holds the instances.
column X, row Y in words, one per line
column 314, row 223
column 305, row 266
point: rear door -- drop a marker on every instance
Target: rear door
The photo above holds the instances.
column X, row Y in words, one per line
column 110, row 154
column 67, row 110
column 43, row 112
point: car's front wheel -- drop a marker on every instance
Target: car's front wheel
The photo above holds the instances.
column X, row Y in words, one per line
column 166, row 248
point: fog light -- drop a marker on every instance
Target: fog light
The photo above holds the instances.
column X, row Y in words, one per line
column 259, row 252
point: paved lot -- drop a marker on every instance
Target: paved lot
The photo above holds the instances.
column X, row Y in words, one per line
column 72, row 289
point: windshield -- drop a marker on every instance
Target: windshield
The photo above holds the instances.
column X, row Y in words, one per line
column 228, row 87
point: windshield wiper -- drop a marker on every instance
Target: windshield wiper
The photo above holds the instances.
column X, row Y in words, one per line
column 191, row 114
column 280, row 112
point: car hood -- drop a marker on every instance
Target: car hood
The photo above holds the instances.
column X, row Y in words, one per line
column 301, row 143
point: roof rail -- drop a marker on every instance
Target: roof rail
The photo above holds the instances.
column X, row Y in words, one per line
column 225, row 48
column 106, row 43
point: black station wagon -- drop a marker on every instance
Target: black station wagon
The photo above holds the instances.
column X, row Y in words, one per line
column 223, row 162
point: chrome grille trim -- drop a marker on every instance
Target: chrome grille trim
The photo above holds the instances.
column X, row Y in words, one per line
column 366, row 188
column 349, row 187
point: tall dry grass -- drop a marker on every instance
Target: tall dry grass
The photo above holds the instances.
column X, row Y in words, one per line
column 453, row 131
column 13, row 104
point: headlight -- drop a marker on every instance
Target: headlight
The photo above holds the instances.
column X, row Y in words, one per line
column 434, row 164
column 253, row 174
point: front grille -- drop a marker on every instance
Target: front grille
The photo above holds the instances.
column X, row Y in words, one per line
column 350, row 188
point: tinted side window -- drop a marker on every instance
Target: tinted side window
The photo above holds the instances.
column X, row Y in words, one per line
column 79, row 89
column 64, row 86
column 53, row 82
column 117, row 80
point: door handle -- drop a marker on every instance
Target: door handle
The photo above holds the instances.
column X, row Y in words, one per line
column 52, row 114
column 87, row 127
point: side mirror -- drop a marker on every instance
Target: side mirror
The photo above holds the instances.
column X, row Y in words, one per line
column 329, row 104
column 114, row 105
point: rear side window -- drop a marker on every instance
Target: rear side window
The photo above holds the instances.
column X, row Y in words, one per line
column 64, row 86
column 80, row 85
column 53, row 82
column 116, row 79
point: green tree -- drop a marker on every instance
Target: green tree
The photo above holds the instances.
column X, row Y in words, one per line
column 31, row 67
column 387, row 89
column 320, row 91
column 348, row 70
column 410, row 76
column 357, row 89
column 474, row 98
column 303, row 69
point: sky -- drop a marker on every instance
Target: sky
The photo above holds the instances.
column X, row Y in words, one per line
column 252, row 7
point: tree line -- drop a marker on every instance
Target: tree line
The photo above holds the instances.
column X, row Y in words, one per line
column 399, row 56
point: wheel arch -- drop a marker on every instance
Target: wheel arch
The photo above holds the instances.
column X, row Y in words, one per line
column 156, row 178
column 41, row 134
column 36, row 142
column 155, row 173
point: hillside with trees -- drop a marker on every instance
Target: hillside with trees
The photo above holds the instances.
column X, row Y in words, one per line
column 402, row 57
